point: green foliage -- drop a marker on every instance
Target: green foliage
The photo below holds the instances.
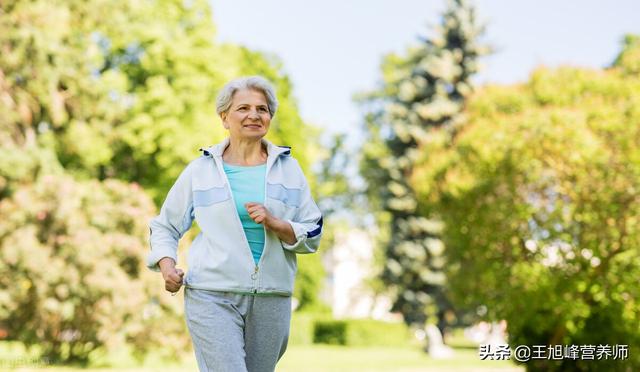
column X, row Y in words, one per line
column 120, row 92
column 369, row 332
column 539, row 195
column 335, row 191
column 73, row 268
column 629, row 58
column 360, row 332
column 332, row 332
column 301, row 332
column 92, row 92
column 420, row 101
column 309, row 281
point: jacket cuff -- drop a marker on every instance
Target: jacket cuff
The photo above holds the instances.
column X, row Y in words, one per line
column 157, row 254
column 301, row 235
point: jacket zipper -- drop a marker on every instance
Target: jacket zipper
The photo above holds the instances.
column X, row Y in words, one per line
column 266, row 172
column 219, row 165
column 254, row 275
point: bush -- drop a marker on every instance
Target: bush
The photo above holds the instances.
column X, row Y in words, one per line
column 73, row 272
column 333, row 332
column 541, row 210
column 301, row 332
column 369, row 332
column 308, row 328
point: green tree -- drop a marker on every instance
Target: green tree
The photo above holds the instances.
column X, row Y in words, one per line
column 334, row 196
column 73, row 268
column 539, row 195
column 127, row 90
column 420, row 101
column 90, row 92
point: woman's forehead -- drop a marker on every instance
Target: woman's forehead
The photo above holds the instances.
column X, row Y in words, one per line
column 249, row 96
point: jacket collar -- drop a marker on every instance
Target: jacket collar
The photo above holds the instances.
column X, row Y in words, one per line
column 273, row 151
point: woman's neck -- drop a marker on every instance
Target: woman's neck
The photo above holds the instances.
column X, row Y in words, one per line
column 244, row 153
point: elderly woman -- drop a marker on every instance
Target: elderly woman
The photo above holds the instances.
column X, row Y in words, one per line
column 255, row 210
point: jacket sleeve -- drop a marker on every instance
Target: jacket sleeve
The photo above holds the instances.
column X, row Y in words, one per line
column 307, row 225
column 175, row 218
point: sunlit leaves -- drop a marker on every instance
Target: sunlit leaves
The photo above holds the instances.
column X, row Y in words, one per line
column 539, row 197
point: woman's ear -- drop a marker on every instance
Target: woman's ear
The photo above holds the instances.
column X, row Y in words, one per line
column 223, row 117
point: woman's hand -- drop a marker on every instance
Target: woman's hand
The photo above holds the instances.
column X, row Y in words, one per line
column 261, row 215
column 172, row 276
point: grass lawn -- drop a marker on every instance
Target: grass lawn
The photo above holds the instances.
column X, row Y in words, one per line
column 319, row 358
column 316, row 358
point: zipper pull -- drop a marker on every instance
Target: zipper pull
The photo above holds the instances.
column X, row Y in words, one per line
column 254, row 276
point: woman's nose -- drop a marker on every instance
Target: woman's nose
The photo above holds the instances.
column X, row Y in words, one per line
column 253, row 114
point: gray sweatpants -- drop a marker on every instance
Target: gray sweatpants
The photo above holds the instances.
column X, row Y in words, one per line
column 234, row 332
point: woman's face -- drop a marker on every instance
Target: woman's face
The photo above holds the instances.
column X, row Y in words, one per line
column 248, row 117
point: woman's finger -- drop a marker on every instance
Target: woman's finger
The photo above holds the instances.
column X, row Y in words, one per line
column 175, row 277
column 251, row 205
column 256, row 216
column 172, row 288
column 175, row 283
column 256, row 212
column 254, row 208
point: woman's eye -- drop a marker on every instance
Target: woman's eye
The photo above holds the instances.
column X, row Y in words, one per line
column 242, row 109
column 262, row 109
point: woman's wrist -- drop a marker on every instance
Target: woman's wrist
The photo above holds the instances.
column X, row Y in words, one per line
column 165, row 264
column 282, row 228
column 273, row 223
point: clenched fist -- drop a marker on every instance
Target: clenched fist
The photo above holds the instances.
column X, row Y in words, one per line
column 259, row 213
column 172, row 276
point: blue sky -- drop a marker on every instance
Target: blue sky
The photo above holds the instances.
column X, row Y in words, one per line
column 332, row 49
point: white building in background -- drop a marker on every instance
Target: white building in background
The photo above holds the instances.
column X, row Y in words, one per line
column 349, row 265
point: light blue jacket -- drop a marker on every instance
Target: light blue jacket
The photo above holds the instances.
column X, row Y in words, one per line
column 220, row 258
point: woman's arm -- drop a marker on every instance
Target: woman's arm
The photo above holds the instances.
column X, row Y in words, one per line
column 307, row 225
column 175, row 218
column 300, row 235
column 260, row 214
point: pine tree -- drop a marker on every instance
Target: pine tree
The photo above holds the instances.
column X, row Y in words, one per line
column 421, row 99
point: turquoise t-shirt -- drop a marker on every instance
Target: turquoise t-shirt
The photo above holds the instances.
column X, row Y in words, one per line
column 247, row 185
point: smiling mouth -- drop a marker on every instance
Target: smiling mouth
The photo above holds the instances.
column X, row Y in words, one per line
column 253, row 126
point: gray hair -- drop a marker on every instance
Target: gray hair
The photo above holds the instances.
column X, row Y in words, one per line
column 258, row 83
